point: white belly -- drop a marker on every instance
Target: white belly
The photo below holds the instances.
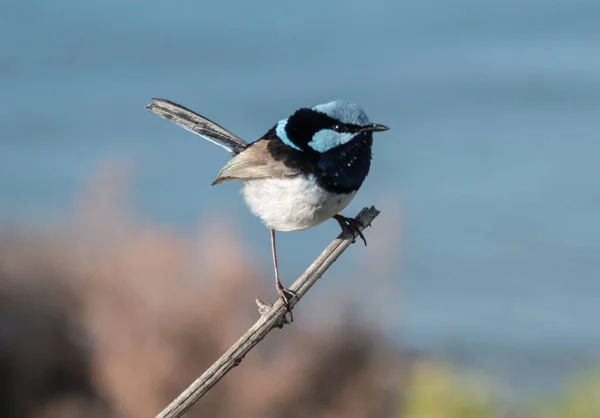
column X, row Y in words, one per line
column 292, row 204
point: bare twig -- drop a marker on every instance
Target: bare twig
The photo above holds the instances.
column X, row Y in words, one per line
column 271, row 317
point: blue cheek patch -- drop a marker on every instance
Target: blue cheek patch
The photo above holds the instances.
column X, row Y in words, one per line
column 327, row 139
column 282, row 134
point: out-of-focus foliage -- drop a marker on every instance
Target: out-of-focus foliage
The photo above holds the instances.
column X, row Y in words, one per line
column 109, row 317
column 106, row 316
column 434, row 391
column 581, row 399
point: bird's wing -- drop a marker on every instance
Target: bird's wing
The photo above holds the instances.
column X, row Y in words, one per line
column 255, row 162
column 197, row 124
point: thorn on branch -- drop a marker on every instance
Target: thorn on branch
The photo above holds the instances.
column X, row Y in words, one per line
column 265, row 308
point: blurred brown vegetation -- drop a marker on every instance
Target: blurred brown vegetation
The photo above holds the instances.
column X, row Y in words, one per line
column 106, row 316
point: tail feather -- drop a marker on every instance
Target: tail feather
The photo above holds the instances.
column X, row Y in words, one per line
column 197, row 124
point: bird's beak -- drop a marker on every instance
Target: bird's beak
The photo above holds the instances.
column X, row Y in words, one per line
column 374, row 127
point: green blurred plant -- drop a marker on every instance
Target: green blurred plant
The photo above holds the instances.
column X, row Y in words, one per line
column 435, row 391
column 581, row 399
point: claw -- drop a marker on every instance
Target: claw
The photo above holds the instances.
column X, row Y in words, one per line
column 351, row 226
column 286, row 295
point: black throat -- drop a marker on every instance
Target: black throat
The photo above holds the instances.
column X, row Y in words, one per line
column 339, row 170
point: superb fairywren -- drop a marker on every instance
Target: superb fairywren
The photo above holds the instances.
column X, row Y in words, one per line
column 302, row 172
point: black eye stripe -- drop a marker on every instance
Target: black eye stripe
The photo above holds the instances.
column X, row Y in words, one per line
column 304, row 123
column 346, row 127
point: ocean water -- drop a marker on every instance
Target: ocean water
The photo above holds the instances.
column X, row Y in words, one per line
column 492, row 163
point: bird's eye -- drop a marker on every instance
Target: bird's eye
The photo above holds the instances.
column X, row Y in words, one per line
column 336, row 127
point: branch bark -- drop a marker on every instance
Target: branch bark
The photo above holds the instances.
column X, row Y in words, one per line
column 271, row 317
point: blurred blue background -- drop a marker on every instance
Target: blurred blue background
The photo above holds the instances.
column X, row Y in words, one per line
column 492, row 163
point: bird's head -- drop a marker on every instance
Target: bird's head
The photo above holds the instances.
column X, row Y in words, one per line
column 326, row 127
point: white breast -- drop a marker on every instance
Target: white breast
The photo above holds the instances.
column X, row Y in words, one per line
column 292, row 204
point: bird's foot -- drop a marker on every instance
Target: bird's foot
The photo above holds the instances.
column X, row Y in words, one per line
column 351, row 226
column 286, row 295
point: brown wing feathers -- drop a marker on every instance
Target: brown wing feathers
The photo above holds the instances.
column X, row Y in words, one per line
column 255, row 162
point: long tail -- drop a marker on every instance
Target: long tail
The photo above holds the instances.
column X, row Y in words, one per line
column 197, row 124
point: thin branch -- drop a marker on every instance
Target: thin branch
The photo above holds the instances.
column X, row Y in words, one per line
column 271, row 317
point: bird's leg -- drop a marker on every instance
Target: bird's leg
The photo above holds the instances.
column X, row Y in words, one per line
column 351, row 226
column 285, row 294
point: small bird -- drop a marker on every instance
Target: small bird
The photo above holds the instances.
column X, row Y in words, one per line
column 302, row 172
